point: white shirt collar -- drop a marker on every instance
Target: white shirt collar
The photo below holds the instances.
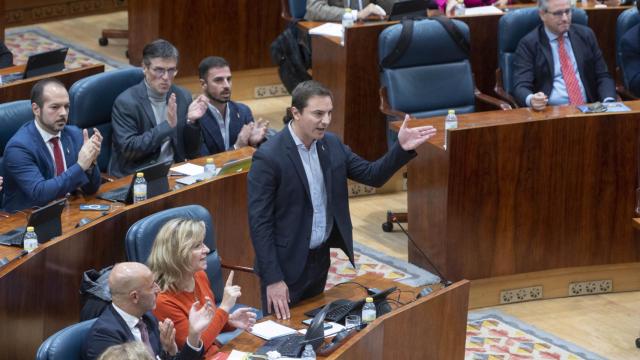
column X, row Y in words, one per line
column 297, row 140
column 45, row 135
column 553, row 36
column 131, row 320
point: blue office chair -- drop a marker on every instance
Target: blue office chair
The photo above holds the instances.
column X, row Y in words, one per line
column 66, row 344
column 626, row 20
column 141, row 235
column 293, row 10
column 12, row 116
column 512, row 27
column 91, row 100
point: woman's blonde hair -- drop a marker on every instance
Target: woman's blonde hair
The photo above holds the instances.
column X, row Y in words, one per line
column 132, row 350
column 171, row 253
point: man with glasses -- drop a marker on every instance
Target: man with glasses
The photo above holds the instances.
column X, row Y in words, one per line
column 155, row 120
column 560, row 63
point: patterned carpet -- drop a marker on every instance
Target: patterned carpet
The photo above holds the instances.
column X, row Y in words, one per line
column 492, row 335
column 27, row 41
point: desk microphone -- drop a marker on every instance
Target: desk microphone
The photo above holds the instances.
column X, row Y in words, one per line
column 443, row 280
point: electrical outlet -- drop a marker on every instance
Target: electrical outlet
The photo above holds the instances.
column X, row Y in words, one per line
column 266, row 91
column 590, row 287
column 518, row 295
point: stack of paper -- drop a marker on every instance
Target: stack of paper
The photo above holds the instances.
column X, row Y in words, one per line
column 328, row 29
column 270, row 329
column 482, row 10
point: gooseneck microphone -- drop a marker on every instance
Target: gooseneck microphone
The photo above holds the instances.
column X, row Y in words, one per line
column 443, row 280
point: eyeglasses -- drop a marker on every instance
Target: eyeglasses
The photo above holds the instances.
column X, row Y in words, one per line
column 159, row 72
column 559, row 13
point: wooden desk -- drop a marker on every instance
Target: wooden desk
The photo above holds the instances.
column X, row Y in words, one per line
column 21, row 89
column 433, row 327
column 240, row 30
column 351, row 71
column 525, row 198
column 39, row 293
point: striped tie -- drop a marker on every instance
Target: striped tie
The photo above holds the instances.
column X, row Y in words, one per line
column 569, row 75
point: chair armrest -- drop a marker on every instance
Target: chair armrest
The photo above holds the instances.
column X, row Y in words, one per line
column 502, row 93
column 237, row 267
column 497, row 103
column 622, row 91
column 386, row 109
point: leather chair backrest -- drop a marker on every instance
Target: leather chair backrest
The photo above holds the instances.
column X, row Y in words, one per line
column 626, row 20
column 66, row 344
column 512, row 27
column 91, row 100
column 297, row 8
column 433, row 75
column 142, row 234
column 13, row 115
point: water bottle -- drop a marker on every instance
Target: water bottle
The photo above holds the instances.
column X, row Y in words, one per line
column 460, row 8
column 450, row 122
column 209, row 169
column 347, row 18
column 30, row 239
column 308, row 353
column 368, row 311
column 139, row 188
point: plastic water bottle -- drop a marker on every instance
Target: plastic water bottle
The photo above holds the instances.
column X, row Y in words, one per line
column 139, row 188
column 30, row 239
column 347, row 18
column 368, row 311
column 450, row 122
column 209, row 169
column 460, row 8
column 308, row 353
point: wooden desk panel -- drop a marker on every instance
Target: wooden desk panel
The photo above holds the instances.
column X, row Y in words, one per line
column 240, row 30
column 525, row 191
column 39, row 293
column 21, row 89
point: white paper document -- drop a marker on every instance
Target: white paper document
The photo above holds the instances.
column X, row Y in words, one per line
column 482, row 10
column 188, row 169
column 327, row 29
column 270, row 329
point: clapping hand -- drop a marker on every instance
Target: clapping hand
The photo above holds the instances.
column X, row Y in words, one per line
column 168, row 336
column 244, row 135
column 199, row 319
column 258, row 132
column 90, row 149
column 411, row 138
column 197, row 108
column 172, row 111
column 243, row 318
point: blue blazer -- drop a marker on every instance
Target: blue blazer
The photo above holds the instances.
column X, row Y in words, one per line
column 30, row 171
column 239, row 115
column 111, row 329
column 630, row 61
column 280, row 208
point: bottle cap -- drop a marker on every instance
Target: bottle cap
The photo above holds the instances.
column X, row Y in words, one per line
column 209, row 160
column 452, row 112
column 140, row 174
column 369, row 299
column 31, row 228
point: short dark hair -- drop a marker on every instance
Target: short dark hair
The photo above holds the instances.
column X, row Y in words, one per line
column 301, row 95
column 37, row 91
column 210, row 63
column 159, row 48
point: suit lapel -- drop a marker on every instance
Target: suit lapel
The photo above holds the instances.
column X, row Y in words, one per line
column 546, row 49
column 294, row 156
column 143, row 98
column 43, row 151
column 325, row 164
column 67, row 148
column 234, row 122
column 213, row 129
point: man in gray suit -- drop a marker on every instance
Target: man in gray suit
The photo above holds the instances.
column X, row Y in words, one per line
column 155, row 121
column 332, row 10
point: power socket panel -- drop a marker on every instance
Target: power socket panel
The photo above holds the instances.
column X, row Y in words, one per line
column 590, row 287
column 519, row 295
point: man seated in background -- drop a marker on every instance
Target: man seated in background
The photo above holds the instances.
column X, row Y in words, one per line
column 560, row 63
column 630, row 49
column 46, row 159
column 155, row 121
column 226, row 125
column 332, row 10
column 129, row 318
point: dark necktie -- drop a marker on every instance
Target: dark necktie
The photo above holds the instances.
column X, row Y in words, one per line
column 569, row 75
column 57, row 155
column 144, row 335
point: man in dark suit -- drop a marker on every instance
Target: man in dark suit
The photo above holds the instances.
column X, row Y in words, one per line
column 559, row 63
column 155, row 121
column 630, row 49
column 6, row 57
column 129, row 318
column 226, row 125
column 298, row 197
column 46, row 159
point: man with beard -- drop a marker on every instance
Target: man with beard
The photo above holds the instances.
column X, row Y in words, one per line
column 155, row 121
column 559, row 63
column 46, row 159
column 226, row 125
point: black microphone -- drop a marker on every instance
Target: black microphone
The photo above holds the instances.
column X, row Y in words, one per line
column 443, row 280
column 343, row 331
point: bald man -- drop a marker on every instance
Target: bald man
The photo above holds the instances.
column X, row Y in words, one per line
column 129, row 318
